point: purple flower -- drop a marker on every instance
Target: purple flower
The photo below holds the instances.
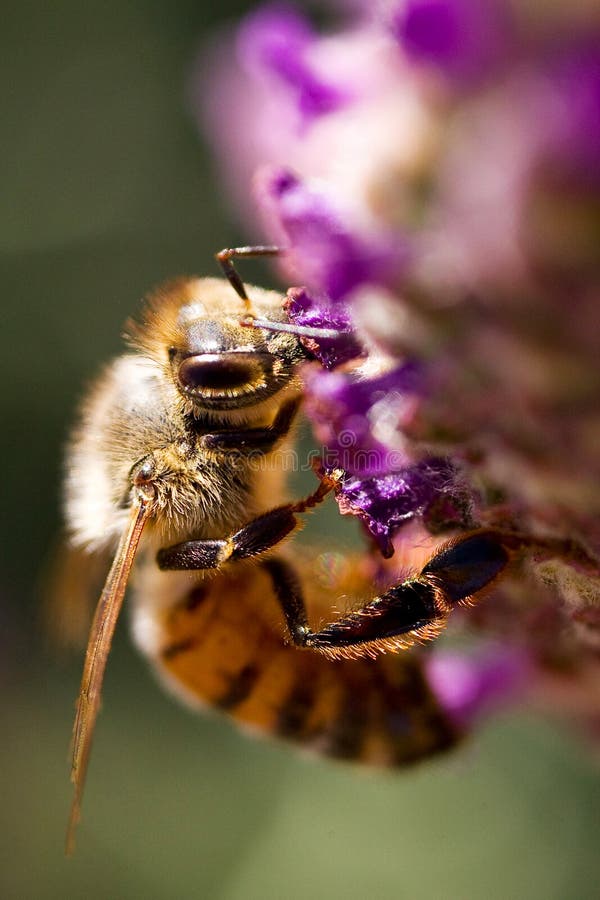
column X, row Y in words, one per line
column 360, row 421
column 332, row 258
column 432, row 489
column 461, row 38
column 317, row 311
column 276, row 42
column 445, row 211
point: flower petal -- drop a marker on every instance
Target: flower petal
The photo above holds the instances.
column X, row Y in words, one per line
column 328, row 256
column 432, row 489
column 317, row 311
column 276, row 41
column 360, row 421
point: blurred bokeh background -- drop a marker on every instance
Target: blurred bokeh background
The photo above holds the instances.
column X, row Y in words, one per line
column 106, row 189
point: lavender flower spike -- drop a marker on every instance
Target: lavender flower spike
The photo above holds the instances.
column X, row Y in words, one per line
column 449, row 214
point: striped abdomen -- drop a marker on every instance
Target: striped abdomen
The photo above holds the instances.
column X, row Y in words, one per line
column 224, row 645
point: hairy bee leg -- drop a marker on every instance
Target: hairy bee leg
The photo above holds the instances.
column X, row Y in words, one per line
column 225, row 259
column 259, row 535
column 401, row 610
column 259, row 439
column 288, row 591
column 468, row 565
column 414, row 610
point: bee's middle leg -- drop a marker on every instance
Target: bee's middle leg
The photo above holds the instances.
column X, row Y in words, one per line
column 415, row 610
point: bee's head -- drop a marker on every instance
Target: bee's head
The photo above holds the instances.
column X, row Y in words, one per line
column 194, row 326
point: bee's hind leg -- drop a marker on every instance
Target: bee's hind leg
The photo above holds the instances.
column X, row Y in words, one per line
column 413, row 611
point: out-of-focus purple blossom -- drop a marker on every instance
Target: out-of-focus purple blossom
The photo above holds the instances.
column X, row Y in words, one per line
column 276, row 41
column 464, row 39
column 333, row 259
column 252, row 120
column 317, row 311
column 361, row 422
column 574, row 83
column 469, row 686
column 432, row 489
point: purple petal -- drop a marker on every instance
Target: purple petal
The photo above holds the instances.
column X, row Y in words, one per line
column 462, row 38
column 317, row 311
column 387, row 502
column 470, row 686
column 276, row 41
column 327, row 255
column 360, row 422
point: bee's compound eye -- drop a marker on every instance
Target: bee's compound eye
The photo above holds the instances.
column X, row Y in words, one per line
column 220, row 372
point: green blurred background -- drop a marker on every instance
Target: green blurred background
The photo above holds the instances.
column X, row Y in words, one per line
column 106, row 189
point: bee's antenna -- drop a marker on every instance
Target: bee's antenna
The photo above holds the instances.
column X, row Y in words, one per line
column 225, row 259
column 322, row 334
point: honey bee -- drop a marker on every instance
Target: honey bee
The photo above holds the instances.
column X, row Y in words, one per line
column 177, row 461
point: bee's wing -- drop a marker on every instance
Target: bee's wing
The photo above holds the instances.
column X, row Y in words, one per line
column 71, row 583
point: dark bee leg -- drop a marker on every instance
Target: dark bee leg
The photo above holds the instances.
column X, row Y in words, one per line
column 254, row 538
column 257, row 439
column 415, row 610
column 288, row 591
column 225, row 259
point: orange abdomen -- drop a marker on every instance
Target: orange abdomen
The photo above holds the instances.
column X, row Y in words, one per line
column 225, row 645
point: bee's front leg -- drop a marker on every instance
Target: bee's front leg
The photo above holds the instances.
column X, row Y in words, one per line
column 253, row 539
column 260, row 440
